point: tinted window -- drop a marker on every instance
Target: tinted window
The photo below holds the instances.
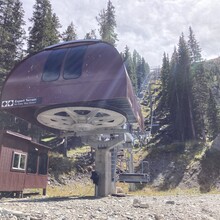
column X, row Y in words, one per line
column 53, row 65
column 74, row 62
column 32, row 162
column 42, row 169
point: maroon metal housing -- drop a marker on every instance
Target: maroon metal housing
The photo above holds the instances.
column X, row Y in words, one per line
column 102, row 82
column 16, row 180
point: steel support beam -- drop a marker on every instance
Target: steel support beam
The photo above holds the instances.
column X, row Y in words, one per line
column 103, row 163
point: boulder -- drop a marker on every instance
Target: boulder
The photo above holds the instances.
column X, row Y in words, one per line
column 216, row 143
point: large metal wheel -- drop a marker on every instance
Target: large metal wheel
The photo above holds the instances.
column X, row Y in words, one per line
column 80, row 118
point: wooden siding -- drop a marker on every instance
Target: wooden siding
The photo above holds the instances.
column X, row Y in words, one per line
column 6, row 159
column 18, row 180
column 12, row 181
column 35, row 181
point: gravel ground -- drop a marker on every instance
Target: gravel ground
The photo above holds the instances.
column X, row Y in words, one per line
column 205, row 207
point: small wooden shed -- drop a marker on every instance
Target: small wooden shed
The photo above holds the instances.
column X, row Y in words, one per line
column 23, row 163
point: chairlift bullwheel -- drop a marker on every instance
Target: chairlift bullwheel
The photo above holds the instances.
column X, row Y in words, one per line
column 80, row 118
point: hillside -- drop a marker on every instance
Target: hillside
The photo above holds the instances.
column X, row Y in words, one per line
column 170, row 165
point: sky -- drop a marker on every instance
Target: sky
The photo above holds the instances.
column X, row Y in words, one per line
column 151, row 27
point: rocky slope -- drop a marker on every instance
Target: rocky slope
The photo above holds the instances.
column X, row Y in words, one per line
column 181, row 166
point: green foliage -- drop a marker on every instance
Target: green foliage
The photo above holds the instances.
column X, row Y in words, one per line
column 199, row 98
column 183, row 121
column 136, row 67
column 194, row 48
column 107, row 23
column 91, row 35
column 213, row 117
column 12, row 35
column 189, row 92
column 130, row 67
column 70, row 33
column 44, row 31
column 165, row 80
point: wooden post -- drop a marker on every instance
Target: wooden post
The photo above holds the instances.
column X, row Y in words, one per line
column 44, row 192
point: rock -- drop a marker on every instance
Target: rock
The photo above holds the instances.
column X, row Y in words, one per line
column 139, row 204
column 36, row 218
column 144, row 205
column 136, row 203
column 119, row 190
column 216, row 144
column 170, row 202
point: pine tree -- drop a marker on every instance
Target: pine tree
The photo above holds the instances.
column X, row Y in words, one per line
column 145, row 69
column 139, row 72
column 44, row 31
column 165, row 80
column 70, row 33
column 91, row 35
column 185, row 89
column 130, row 67
column 135, row 63
column 12, row 35
column 173, row 96
column 180, row 100
column 200, row 93
column 142, row 70
column 185, row 118
column 194, row 48
column 213, row 117
column 107, row 23
column 135, row 58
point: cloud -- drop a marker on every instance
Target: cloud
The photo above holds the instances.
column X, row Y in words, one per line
column 150, row 27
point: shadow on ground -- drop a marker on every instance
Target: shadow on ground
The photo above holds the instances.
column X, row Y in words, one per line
column 52, row 199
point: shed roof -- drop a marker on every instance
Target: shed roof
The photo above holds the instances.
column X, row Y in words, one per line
column 24, row 137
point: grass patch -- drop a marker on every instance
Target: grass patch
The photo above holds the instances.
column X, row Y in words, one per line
column 76, row 189
column 88, row 189
column 139, row 154
column 171, row 192
column 145, row 111
column 150, row 191
column 78, row 150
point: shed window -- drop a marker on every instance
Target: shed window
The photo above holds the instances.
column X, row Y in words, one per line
column 32, row 162
column 19, row 161
column 74, row 62
column 53, row 65
column 42, row 169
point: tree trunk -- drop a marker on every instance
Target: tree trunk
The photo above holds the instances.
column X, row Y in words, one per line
column 191, row 119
